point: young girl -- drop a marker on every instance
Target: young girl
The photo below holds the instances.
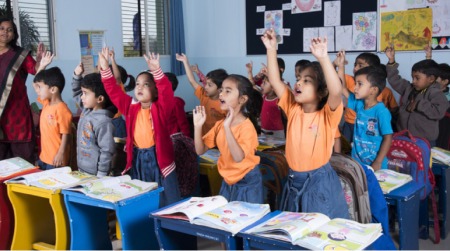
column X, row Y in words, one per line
column 314, row 110
column 208, row 95
column 149, row 147
column 236, row 138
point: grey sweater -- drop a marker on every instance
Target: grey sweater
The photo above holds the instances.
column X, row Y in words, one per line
column 95, row 141
column 424, row 120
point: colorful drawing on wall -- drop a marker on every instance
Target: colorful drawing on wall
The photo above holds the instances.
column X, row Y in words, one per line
column 440, row 43
column 364, row 31
column 304, row 6
column 407, row 30
column 91, row 43
column 274, row 19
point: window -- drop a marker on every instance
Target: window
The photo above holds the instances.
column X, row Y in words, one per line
column 36, row 22
column 139, row 35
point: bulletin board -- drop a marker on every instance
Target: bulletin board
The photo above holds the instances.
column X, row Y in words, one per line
column 352, row 24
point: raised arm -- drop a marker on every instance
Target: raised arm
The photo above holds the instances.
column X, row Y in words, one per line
column 398, row 83
column 319, row 50
column 39, row 53
column 184, row 59
column 199, row 120
column 199, row 73
column 270, row 41
column 249, row 67
column 47, row 59
column 114, row 66
column 76, row 84
column 340, row 63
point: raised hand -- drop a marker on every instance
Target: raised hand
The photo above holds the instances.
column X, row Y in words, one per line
column 40, row 51
column 79, row 70
column 428, row 52
column 103, row 58
column 47, row 59
column 319, row 48
column 263, row 70
column 199, row 116
column 270, row 39
column 340, row 59
column 229, row 119
column 249, row 67
column 152, row 60
column 182, row 58
column 194, row 68
column 390, row 53
column 112, row 54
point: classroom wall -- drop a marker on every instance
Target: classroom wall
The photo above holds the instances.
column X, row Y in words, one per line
column 215, row 38
column 74, row 16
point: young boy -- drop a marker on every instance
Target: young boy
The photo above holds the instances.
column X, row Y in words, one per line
column 422, row 102
column 95, row 133
column 363, row 60
column 443, row 139
column 373, row 131
column 55, row 120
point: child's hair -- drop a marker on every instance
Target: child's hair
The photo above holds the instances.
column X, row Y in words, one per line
column 370, row 58
column 444, row 71
column 124, row 76
column 321, row 84
column 376, row 76
column 428, row 67
column 217, row 77
column 13, row 42
column 93, row 82
column 51, row 77
column 252, row 108
column 281, row 66
column 302, row 63
column 173, row 79
column 152, row 80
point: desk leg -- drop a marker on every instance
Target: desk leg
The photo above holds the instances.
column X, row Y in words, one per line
column 233, row 243
column 408, row 230
column 246, row 244
column 171, row 240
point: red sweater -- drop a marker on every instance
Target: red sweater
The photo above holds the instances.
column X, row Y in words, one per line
column 160, row 110
column 178, row 121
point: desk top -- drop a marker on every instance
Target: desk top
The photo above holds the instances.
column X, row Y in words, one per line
column 406, row 191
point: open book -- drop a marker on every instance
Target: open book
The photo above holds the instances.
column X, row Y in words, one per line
column 114, row 188
column 316, row 231
column 210, row 156
column 390, row 180
column 216, row 212
column 53, row 179
column 9, row 167
column 440, row 155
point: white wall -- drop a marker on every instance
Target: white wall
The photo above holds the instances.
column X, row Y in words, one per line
column 216, row 38
column 74, row 16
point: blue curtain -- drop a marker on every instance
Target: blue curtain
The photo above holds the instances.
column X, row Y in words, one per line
column 176, row 33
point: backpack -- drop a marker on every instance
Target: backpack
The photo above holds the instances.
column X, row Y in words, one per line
column 186, row 160
column 354, row 184
column 412, row 155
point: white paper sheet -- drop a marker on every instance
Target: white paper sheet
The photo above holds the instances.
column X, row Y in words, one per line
column 344, row 38
column 274, row 19
column 332, row 13
column 308, row 35
column 328, row 32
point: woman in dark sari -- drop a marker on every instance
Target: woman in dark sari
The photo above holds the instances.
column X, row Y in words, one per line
column 16, row 124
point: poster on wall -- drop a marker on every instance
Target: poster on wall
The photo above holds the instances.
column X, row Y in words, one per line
column 409, row 30
column 332, row 13
column 91, row 43
column 305, row 6
column 364, row 37
column 274, row 20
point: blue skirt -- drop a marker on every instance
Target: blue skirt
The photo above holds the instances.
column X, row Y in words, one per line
column 317, row 191
column 248, row 189
column 145, row 167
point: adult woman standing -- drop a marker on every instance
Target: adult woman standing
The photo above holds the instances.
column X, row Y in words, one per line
column 16, row 125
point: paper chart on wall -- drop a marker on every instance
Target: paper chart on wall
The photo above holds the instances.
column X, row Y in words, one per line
column 274, row 19
column 308, row 35
column 91, row 43
column 344, row 37
column 407, row 30
column 328, row 32
column 332, row 13
column 364, row 31
column 304, row 6
column 441, row 18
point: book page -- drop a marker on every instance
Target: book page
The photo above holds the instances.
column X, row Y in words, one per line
column 233, row 216
column 11, row 166
column 113, row 189
column 289, row 226
column 341, row 234
column 390, row 180
column 26, row 179
column 272, row 141
column 61, row 180
column 193, row 207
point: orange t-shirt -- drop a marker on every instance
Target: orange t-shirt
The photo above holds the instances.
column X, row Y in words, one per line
column 212, row 109
column 385, row 96
column 310, row 136
column 247, row 138
column 143, row 129
column 55, row 121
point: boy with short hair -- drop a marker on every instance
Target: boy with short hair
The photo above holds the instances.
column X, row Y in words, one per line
column 95, row 133
column 423, row 103
column 373, row 131
column 56, row 118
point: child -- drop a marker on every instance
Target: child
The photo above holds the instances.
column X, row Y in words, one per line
column 443, row 139
column 314, row 110
column 95, row 133
column 186, row 158
column 56, row 118
column 299, row 65
column 149, row 147
column 373, row 131
column 362, row 60
column 236, row 138
column 208, row 95
column 422, row 102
